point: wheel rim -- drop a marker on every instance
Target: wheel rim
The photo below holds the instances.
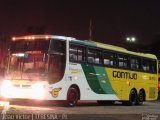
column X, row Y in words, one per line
column 133, row 97
column 72, row 97
column 140, row 97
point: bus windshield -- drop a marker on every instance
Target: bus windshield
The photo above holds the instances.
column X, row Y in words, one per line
column 26, row 66
column 37, row 59
column 32, row 45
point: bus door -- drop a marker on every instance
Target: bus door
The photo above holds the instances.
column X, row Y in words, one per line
column 57, row 60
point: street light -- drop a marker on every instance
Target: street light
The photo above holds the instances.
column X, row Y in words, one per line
column 131, row 39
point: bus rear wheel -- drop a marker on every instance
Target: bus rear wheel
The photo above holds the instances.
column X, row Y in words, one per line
column 140, row 98
column 132, row 99
column 72, row 97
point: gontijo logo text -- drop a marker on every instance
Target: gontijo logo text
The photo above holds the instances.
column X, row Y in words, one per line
column 124, row 75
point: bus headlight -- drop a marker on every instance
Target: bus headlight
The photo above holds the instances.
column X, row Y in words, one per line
column 38, row 91
column 6, row 88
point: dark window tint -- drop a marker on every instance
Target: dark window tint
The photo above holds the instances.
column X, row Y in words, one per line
column 123, row 61
column 154, row 66
column 32, row 45
column 76, row 53
column 146, row 65
column 109, row 58
column 56, row 66
column 135, row 63
column 58, row 46
column 94, row 56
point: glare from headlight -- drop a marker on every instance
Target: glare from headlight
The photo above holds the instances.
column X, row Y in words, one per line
column 38, row 91
column 6, row 88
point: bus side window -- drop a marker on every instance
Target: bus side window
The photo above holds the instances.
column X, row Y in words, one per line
column 90, row 59
column 94, row 56
column 123, row 61
column 106, row 62
column 76, row 53
column 146, row 65
column 73, row 53
column 91, row 55
column 108, row 58
column 135, row 63
column 73, row 57
column 154, row 66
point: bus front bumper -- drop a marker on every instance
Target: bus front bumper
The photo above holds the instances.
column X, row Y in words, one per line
column 35, row 91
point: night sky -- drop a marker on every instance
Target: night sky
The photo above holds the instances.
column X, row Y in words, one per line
column 112, row 20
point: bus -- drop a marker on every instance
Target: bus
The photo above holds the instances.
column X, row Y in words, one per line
column 50, row 67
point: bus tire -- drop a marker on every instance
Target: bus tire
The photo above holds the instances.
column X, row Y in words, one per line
column 140, row 98
column 103, row 102
column 132, row 99
column 72, row 97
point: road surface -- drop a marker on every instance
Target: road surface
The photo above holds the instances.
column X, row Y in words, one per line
column 89, row 110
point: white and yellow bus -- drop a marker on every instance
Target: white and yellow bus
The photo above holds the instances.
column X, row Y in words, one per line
column 49, row 67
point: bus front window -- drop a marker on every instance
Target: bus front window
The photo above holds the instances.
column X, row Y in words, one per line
column 37, row 59
column 34, row 63
column 31, row 67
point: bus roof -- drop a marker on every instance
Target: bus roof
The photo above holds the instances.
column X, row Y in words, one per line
column 32, row 37
column 114, row 48
column 85, row 42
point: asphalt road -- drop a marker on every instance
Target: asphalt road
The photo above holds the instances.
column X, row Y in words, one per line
column 89, row 110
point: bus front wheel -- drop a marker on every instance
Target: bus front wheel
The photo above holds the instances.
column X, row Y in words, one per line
column 72, row 97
